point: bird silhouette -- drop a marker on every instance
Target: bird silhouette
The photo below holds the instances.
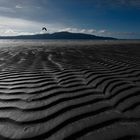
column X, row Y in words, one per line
column 44, row 29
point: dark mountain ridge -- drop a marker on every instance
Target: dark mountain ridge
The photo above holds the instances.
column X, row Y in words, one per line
column 59, row 35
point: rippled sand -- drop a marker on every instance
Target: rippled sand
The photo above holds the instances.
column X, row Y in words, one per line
column 69, row 90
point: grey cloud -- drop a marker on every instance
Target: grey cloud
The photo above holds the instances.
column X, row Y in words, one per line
column 6, row 10
column 33, row 10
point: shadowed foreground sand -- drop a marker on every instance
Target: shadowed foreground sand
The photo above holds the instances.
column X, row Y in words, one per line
column 89, row 92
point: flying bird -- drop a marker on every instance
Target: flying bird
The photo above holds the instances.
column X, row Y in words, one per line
column 44, row 28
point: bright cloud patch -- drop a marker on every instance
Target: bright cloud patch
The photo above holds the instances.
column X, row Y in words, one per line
column 18, row 7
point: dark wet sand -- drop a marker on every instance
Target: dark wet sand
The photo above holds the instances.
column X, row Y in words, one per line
column 70, row 91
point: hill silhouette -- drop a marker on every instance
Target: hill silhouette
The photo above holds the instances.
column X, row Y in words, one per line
column 59, row 35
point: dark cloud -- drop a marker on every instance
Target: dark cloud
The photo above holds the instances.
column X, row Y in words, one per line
column 129, row 3
column 47, row 10
column 112, row 3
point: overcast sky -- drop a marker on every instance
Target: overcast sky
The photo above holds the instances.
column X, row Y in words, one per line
column 116, row 18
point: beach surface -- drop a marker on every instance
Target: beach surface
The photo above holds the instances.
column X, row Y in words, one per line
column 69, row 90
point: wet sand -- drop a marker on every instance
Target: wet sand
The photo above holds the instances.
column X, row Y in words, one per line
column 86, row 91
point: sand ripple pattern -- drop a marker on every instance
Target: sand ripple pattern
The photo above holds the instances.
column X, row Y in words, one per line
column 69, row 93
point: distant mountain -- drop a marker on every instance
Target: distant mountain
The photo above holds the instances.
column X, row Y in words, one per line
column 59, row 35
